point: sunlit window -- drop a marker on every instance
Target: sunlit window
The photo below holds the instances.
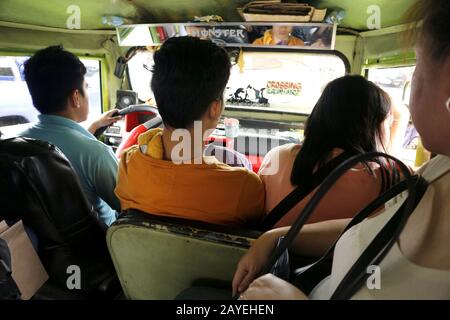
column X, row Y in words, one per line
column 16, row 106
column 397, row 82
column 284, row 81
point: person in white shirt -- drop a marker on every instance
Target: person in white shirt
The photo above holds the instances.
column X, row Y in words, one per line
column 421, row 252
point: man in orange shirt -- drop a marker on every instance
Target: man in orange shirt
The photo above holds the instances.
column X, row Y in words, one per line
column 167, row 173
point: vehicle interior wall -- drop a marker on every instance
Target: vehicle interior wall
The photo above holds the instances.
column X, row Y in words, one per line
column 23, row 33
column 386, row 44
column 102, row 44
column 27, row 25
column 347, row 45
column 152, row 11
column 19, row 39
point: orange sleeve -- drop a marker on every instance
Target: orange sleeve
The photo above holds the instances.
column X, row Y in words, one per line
column 259, row 41
column 296, row 42
column 251, row 203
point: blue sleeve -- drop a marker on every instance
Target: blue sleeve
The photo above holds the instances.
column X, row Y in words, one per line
column 103, row 174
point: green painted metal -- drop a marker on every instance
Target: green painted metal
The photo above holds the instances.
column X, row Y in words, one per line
column 53, row 13
column 102, row 46
column 157, row 260
column 357, row 11
column 28, row 25
column 405, row 59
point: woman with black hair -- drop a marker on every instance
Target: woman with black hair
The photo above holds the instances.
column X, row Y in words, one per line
column 353, row 115
column 417, row 266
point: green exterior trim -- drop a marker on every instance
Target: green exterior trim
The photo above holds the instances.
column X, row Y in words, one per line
column 104, row 84
column 103, row 79
column 392, row 61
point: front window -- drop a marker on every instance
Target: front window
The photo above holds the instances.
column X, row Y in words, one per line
column 281, row 81
column 289, row 81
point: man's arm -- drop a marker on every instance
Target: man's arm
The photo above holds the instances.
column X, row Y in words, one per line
column 104, row 176
column 400, row 119
column 106, row 119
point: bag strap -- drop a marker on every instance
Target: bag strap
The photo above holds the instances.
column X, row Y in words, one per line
column 323, row 189
column 363, row 214
column 8, row 287
column 380, row 245
column 300, row 192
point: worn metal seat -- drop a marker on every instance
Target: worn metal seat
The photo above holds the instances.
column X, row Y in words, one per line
column 158, row 257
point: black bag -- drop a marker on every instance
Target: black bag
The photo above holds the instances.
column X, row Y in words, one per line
column 307, row 278
column 39, row 186
column 8, row 287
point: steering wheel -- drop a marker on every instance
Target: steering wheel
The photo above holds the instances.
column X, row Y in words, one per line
column 125, row 111
column 138, row 108
column 132, row 138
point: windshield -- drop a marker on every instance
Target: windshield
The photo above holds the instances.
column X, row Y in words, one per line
column 281, row 81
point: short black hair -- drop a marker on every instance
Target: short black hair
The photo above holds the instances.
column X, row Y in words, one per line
column 52, row 74
column 188, row 74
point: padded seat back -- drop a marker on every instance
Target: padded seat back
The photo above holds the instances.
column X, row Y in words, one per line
column 38, row 186
column 157, row 257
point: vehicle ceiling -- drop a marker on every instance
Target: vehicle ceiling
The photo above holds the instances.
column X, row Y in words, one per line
column 53, row 13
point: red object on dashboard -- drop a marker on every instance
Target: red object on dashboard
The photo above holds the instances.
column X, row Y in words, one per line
column 132, row 120
column 131, row 140
column 221, row 140
column 255, row 160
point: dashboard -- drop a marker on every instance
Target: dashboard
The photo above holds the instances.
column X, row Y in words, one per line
column 255, row 137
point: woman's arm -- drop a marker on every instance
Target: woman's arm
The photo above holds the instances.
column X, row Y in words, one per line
column 400, row 114
column 313, row 240
column 269, row 287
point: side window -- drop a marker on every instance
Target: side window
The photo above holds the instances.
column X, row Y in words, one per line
column 16, row 106
column 397, row 83
column 6, row 74
column 93, row 78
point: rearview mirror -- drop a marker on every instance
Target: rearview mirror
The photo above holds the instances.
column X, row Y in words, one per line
column 319, row 36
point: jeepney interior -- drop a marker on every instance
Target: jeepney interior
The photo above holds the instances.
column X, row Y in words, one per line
column 271, row 91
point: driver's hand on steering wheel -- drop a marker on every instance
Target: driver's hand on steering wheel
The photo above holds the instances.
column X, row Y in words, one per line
column 105, row 120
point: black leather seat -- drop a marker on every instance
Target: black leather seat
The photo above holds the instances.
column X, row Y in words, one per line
column 39, row 186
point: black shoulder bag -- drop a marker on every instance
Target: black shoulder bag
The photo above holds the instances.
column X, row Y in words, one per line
column 8, row 287
column 307, row 278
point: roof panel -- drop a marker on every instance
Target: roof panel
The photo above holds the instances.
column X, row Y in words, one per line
column 53, row 13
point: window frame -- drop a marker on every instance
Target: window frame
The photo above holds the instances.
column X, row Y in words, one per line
column 102, row 71
column 336, row 53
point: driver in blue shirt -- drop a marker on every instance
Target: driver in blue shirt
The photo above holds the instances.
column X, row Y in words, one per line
column 55, row 79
